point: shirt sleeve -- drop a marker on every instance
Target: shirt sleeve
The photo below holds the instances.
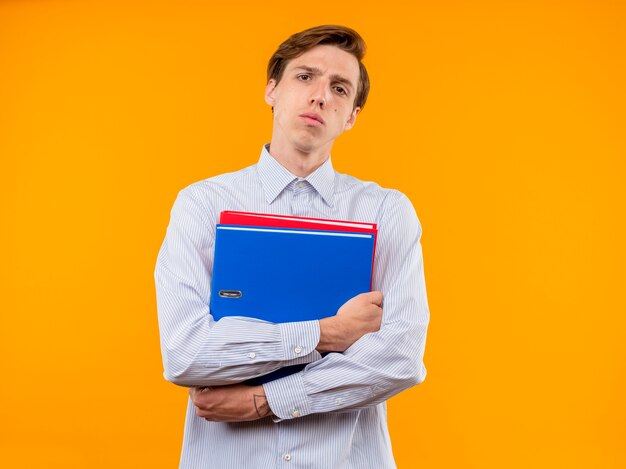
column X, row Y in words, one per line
column 196, row 350
column 381, row 364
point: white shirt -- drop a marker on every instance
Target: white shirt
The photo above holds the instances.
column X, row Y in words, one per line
column 333, row 413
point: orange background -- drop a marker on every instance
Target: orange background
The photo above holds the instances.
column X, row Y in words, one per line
column 503, row 121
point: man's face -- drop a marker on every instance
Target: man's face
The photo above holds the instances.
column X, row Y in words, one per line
column 313, row 102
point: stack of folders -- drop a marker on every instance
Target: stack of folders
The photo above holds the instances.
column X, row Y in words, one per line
column 281, row 268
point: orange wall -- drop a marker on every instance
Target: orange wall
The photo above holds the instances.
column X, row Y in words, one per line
column 502, row 120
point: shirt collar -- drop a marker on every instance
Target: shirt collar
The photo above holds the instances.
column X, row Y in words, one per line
column 275, row 177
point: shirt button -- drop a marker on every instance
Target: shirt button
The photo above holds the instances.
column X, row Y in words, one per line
column 300, row 184
column 298, row 349
column 287, row 457
column 339, row 401
column 295, row 413
column 251, row 355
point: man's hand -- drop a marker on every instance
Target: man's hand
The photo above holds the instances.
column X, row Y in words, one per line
column 356, row 317
column 234, row 403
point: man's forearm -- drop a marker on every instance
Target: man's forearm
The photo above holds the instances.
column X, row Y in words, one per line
column 235, row 403
column 358, row 316
column 233, row 350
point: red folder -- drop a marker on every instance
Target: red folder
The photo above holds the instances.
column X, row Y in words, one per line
column 231, row 217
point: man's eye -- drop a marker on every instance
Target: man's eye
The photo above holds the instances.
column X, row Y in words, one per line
column 304, row 77
column 340, row 90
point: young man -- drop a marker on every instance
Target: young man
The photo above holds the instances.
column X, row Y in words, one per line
column 332, row 414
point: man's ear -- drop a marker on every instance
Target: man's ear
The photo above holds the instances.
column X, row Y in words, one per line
column 352, row 118
column 269, row 92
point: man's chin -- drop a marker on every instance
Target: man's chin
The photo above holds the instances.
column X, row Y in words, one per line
column 306, row 145
column 307, row 142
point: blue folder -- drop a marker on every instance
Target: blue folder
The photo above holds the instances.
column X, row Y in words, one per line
column 287, row 274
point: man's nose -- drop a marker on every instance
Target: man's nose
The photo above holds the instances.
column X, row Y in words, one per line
column 319, row 95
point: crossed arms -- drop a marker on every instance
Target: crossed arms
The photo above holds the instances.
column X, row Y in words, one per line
column 377, row 352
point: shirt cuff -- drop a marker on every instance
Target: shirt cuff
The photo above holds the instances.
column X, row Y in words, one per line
column 287, row 397
column 299, row 339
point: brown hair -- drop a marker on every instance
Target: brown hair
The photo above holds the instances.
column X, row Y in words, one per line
column 340, row 36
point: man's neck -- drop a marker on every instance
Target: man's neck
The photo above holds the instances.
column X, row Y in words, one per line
column 296, row 161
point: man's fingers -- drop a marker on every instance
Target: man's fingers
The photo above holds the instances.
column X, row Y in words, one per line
column 375, row 297
column 198, row 395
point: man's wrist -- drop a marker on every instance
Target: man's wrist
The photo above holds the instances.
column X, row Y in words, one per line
column 326, row 343
column 259, row 400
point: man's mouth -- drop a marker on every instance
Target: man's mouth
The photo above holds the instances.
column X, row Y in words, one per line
column 312, row 118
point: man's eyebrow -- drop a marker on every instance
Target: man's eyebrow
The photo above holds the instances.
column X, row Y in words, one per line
column 343, row 80
column 316, row 71
column 307, row 68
